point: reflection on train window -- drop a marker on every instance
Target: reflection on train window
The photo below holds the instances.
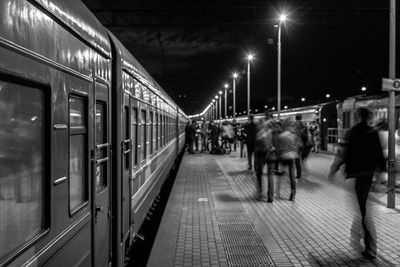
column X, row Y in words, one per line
column 101, row 138
column 76, row 109
column 77, row 153
column 21, row 165
column 143, row 133
column 134, row 118
column 77, row 171
column 151, row 132
column 101, row 129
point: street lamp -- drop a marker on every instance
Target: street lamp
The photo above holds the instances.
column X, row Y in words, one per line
column 250, row 57
column 226, row 102
column 363, row 88
column 216, row 107
column 327, row 95
column 303, row 99
column 220, row 106
column 282, row 19
column 235, row 75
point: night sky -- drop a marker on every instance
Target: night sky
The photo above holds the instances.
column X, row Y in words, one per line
column 192, row 47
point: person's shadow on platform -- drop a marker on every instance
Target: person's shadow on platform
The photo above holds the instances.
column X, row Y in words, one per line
column 232, row 198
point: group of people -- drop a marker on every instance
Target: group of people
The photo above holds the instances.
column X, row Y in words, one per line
column 287, row 143
column 277, row 144
column 198, row 136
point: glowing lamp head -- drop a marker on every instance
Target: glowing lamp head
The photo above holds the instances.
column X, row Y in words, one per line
column 303, row 99
column 220, row 92
column 226, row 86
column 235, row 75
column 363, row 88
column 327, row 95
column 282, row 18
column 250, row 57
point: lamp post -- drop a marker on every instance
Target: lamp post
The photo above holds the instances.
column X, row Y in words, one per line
column 234, row 95
column 216, row 107
column 226, row 100
column 282, row 19
column 220, row 106
column 392, row 111
column 250, row 57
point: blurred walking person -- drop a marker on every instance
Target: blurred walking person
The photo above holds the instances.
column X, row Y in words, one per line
column 266, row 152
column 250, row 130
column 289, row 145
column 362, row 158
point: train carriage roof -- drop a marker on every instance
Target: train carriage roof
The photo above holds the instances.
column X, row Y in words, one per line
column 130, row 63
column 75, row 15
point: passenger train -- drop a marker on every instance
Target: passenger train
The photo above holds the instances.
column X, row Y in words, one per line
column 87, row 138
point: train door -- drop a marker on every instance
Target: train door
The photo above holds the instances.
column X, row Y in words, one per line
column 126, row 164
column 101, row 176
column 135, row 144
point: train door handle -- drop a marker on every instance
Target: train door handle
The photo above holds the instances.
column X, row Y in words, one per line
column 99, row 208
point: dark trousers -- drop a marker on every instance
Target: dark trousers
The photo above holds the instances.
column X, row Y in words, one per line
column 362, row 187
column 298, row 167
column 191, row 144
column 250, row 152
column 241, row 148
column 259, row 165
column 289, row 163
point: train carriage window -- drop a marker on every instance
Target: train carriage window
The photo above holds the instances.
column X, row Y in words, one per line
column 125, row 132
column 77, row 152
column 134, row 131
column 165, row 129
column 101, row 138
column 21, row 165
column 161, row 130
column 157, row 132
column 143, row 133
column 151, row 132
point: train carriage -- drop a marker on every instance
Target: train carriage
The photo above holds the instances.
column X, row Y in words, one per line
column 87, row 138
column 326, row 113
column 146, row 133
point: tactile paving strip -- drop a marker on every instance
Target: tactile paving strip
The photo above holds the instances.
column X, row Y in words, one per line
column 242, row 245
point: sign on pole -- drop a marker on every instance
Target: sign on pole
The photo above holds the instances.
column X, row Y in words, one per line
column 390, row 84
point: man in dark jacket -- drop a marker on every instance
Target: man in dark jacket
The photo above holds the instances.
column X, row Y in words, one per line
column 250, row 130
column 363, row 156
column 188, row 134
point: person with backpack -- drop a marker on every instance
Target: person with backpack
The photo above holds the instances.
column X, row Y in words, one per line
column 266, row 151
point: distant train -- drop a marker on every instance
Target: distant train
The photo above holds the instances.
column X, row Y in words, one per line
column 379, row 106
column 87, row 138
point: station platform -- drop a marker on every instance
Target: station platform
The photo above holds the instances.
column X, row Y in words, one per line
column 213, row 219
